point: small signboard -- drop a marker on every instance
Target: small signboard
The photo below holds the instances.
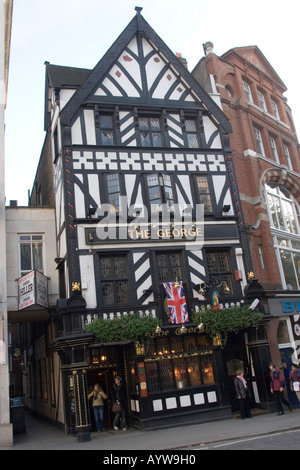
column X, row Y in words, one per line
column 33, row 290
column 41, row 282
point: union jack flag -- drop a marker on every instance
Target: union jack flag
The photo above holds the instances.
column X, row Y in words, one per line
column 176, row 302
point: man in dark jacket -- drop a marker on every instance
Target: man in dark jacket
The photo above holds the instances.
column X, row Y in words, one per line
column 277, row 383
column 119, row 396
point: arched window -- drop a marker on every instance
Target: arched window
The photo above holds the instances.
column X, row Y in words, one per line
column 284, row 213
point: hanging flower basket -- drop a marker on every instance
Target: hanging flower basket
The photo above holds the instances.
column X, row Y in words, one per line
column 132, row 327
column 220, row 323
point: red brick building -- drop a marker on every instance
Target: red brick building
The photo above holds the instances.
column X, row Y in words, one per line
column 265, row 153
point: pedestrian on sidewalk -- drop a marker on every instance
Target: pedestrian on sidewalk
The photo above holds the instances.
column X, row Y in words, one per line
column 119, row 399
column 295, row 380
column 277, row 383
column 242, row 394
column 98, row 396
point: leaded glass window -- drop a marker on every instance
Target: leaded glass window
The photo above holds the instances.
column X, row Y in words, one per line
column 219, row 268
column 177, row 363
column 207, row 369
column 106, row 129
column 114, row 280
column 166, row 374
column 153, row 384
column 150, row 132
column 180, row 372
column 169, row 267
column 160, row 191
column 154, row 191
column 193, row 371
column 113, row 191
column 191, row 133
column 204, row 193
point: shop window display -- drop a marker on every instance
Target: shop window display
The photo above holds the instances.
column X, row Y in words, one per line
column 178, row 363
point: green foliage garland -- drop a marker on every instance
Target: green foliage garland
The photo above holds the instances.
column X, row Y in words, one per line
column 132, row 327
column 228, row 320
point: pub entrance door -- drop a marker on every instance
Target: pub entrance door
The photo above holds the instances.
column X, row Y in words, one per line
column 105, row 378
column 235, row 357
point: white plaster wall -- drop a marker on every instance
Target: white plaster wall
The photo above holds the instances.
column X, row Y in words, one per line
column 6, row 434
column 65, row 95
column 30, row 220
column 88, row 280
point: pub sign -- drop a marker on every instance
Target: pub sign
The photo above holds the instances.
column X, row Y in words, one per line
column 33, row 290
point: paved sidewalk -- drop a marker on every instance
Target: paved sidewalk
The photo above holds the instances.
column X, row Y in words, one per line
column 41, row 435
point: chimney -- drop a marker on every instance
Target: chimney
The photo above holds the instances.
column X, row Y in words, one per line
column 182, row 60
column 208, row 47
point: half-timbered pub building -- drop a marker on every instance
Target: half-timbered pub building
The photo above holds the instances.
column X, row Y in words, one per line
column 138, row 147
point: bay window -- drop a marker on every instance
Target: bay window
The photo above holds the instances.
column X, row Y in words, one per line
column 284, row 213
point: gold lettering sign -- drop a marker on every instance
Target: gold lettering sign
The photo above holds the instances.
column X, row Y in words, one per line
column 165, row 233
column 177, row 332
column 145, row 233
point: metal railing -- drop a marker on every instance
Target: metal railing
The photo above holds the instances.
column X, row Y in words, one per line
column 152, row 309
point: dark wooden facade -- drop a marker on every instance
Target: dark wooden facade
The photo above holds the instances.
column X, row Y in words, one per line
column 136, row 142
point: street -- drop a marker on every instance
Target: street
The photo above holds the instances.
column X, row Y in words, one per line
column 265, row 430
column 282, row 440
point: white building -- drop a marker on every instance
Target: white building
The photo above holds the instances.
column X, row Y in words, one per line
column 32, row 291
column 6, row 7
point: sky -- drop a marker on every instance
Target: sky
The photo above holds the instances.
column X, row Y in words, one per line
column 77, row 33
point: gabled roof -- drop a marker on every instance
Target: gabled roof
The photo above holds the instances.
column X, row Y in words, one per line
column 58, row 77
column 68, row 77
column 131, row 52
column 256, row 58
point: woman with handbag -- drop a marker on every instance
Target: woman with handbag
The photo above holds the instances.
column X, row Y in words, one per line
column 119, row 404
column 242, row 394
column 98, row 396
